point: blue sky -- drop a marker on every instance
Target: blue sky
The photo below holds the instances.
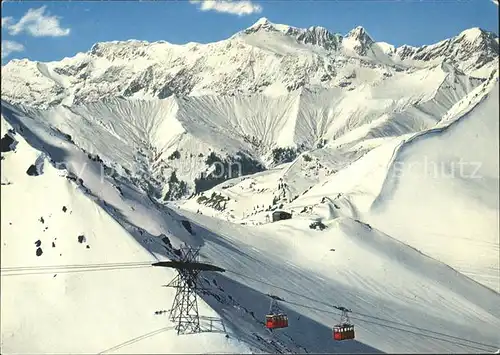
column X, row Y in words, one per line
column 52, row 30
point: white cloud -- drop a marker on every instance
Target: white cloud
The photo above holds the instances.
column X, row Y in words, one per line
column 6, row 21
column 37, row 23
column 237, row 7
column 495, row 2
column 8, row 47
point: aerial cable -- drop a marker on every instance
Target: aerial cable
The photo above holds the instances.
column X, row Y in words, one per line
column 55, row 271
column 31, row 270
column 71, row 266
column 483, row 348
column 339, row 308
column 35, row 270
column 137, row 339
column 399, row 328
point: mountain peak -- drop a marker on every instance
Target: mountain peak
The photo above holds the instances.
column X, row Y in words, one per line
column 261, row 21
column 359, row 33
column 358, row 40
column 472, row 35
column 472, row 32
column 265, row 24
column 477, row 35
column 314, row 35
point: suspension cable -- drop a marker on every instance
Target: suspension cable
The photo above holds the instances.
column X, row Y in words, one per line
column 62, row 269
column 31, row 270
column 340, row 308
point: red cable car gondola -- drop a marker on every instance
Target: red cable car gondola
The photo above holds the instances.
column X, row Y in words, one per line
column 345, row 329
column 343, row 332
column 276, row 319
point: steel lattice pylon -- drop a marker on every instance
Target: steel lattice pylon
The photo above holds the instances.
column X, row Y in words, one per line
column 184, row 311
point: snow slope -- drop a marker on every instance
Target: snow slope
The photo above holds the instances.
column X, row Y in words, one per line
column 367, row 271
column 427, row 189
column 143, row 136
column 352, row 127
column 413, row 188
column 82, row 312
column 445, row 184
column 402, row 301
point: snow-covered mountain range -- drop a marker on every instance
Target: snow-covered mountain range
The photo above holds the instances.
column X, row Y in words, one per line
column 265, row 58
column 386, row 157
column 266, row 88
